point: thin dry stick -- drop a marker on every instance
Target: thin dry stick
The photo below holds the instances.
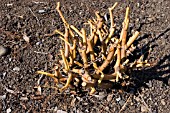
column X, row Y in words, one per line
column 64, row 40
column 84, row 57
column 145, row 103
column 78, row 71
column 68, row 82
column 72, row 52
column 92, row 56
column 65, row 61
column 132, row 39
column 90, row 41
column 99, row 20
column 57, row 32
column 101, row 76
column 48, row 74
column 117, row 65
column 66, row 53
column 84, row 37
column 83, row 54
column 102, row 85
column 108, row 59
column 112, row 26
column 93, row 30
column 100, row 35
column 110, row 35
column 35, row 16
column 106, row 76
column 78, row 63
column 57, row 72
column 60, row 13
column 45, row 73
column 90, row 49
column 64, row 20
column 76, row 30
column 123, row 107
column 123, row 34
column 111, row 15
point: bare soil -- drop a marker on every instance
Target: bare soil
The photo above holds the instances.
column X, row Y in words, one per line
column 150, row 92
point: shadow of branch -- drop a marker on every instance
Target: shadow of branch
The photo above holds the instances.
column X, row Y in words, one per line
column 159, row 71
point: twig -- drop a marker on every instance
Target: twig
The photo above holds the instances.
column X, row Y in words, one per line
column 68, row 82
column 35, row 16
column 123, row 107
column 108, row 59
column 123, row 34
column 144, row 103
column 38, row 52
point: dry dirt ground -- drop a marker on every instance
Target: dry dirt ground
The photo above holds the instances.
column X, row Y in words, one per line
column 35, row 18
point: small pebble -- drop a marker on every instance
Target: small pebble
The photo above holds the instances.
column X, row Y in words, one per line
column 163, row 102
column 60, row 85
column 121, row 102
column 87, row 111
column 109, row 97
column 74, row 109
column 4, row 51
column 38, row 43
column 143, row 108
column 73, row 102
column 85, row 103
column 138, row 4
column 10, row 59
column 9, row 4
column 78, row 111
column 26, row 38
column 41, row 11
column 24, row 98
column 80, row 99
column 149, row 84
column 8, row 110
column 137, row 99
column 100, row 97
column 155, row 103
column 50, row 57
column 61, row 111
column 4, row 74
column 16, row 69
column 107, row 108
column 55, row 109
column 118, row 99
column 2, row 97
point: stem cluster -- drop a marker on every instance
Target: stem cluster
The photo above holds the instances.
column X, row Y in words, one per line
column 99, row 58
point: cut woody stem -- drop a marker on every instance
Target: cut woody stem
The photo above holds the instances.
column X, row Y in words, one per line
column 67, row 83
column 117, row 65
column 108, row 59
column 132, row 39
column 66, row 45
column 60, row 13
column 112, row 26
column 86, row 57
column 124, row 34
column 64, row 61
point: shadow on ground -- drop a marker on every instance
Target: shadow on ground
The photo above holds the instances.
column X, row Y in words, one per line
column 158, row 69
